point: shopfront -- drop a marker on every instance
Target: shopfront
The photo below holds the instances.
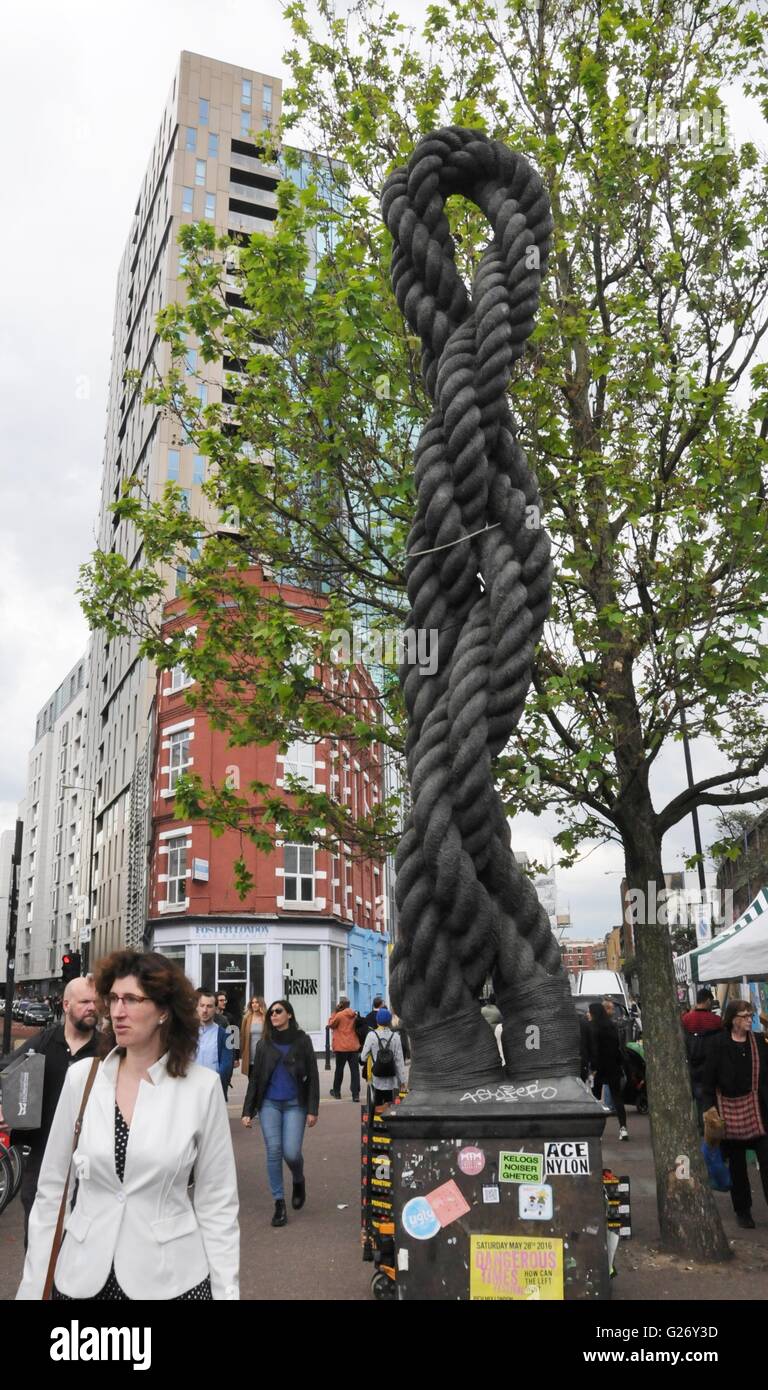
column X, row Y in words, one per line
column 310, row 963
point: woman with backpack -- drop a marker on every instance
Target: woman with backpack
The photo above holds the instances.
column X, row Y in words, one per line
column 387, row 1067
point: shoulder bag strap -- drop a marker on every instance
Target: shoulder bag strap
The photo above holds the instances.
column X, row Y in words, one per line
column 755, row 1064
column 59, row 1234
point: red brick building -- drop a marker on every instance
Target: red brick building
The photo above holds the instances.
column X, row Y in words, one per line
column 314, row 923
column 578, row 956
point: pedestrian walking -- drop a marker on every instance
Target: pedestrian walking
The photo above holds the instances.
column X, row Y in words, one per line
column 251, row 1032
column 284, row 1090
column 346, row 1048
column 605, row 1057
column 370, row 1018
column 383, row 1055
column 60, row 1044
column 148, row 1117
column 214, row 1043
column 701, row 1027
column 735, row 1092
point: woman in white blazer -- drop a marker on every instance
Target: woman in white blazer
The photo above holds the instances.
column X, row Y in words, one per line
column 152, row 1116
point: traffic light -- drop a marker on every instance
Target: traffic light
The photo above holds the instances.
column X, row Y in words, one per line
column 70, row 967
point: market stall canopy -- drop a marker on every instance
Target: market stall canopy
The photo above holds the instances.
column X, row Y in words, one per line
column 737, row 954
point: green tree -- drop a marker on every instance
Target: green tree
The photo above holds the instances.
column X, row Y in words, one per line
column 642, row 404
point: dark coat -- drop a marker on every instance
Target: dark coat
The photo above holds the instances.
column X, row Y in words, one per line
column 300, row 1062
column 725, row 1071
column 604, row 1047
column 701, row 1029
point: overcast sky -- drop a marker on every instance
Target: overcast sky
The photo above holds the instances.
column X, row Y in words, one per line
column 83, row 86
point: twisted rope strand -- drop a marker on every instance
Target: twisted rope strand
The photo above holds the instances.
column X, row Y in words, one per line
column 465, row 908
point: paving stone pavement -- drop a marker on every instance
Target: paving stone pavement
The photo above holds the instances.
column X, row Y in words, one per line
column 317, row 1258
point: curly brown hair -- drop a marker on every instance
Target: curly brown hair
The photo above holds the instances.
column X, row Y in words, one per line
column 165, row 983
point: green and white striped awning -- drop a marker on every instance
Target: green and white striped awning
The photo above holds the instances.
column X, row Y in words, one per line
column 739, row 953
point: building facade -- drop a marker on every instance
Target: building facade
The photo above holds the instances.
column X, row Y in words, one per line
column 600, row 955
column 743, row 878
column 56, row 812
column 7, row 839
column 204, row 164
column 314, row 923
column 577, row 956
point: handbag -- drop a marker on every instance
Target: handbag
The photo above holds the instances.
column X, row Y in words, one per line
column 741, row 1114
column 59, row 1232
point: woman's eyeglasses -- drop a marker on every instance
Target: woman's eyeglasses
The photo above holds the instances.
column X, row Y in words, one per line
column 131, row 1001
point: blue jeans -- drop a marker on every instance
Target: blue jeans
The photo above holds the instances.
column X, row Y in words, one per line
column 282, row 1124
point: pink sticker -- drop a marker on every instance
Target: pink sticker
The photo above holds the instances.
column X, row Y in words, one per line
column 448, row 1203
column 471, row 1161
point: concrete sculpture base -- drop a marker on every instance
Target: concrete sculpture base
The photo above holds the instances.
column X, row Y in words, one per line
column 498, row 1193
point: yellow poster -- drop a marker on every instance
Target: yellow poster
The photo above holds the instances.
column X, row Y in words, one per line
column 520, row 1267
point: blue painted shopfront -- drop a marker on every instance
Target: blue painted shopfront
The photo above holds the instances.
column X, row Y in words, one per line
column 367, row 972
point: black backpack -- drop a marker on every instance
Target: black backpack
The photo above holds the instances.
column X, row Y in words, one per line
column 384, row 1063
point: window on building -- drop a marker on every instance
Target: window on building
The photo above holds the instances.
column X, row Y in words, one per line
column 202, row 393
column 213, row 145
column 200, row 173
column 202, row 111
column 186, row 499
column 178, row 756
column 338, row 972
column 181, row 579
column 299, row 875
column 179, row 678
column 300, row 761
column 198, row 469
column 176, row 887
column 190, row 361
column 187, row 199
column 245, row 123
column 174, row 463
column 191, row 141
column 266, row 99
column 210, row 205
column 247, row 92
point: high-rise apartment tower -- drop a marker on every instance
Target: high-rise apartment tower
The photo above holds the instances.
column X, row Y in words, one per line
column 204, row 164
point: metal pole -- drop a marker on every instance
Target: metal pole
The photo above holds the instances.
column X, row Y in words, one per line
column 694, row 812
column 10, row 976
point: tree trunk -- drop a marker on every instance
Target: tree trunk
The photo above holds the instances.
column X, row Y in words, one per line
column 688, row 1217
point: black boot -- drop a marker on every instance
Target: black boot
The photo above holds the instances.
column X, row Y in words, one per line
column 280, row 1217
column 299, row 1194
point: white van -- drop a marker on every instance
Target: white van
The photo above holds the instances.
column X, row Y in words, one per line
column 601, row 982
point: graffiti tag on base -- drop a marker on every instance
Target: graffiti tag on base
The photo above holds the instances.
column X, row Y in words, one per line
column 534, row 1089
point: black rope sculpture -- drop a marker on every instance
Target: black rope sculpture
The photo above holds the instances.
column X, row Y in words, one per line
column 478, row 571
